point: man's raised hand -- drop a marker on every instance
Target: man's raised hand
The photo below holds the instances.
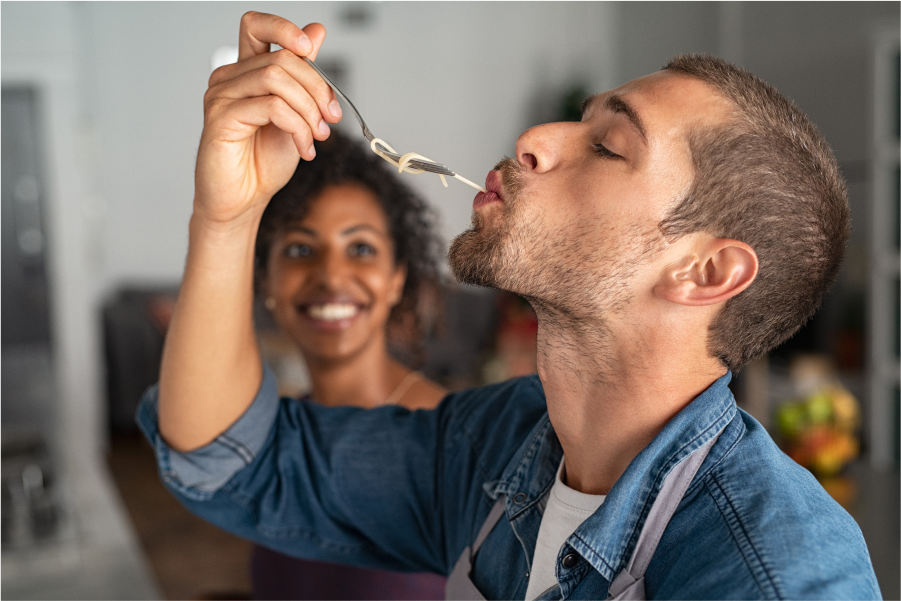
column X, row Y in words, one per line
column 261, row 115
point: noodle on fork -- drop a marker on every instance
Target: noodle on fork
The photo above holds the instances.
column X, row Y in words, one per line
column 403, row 162
column 403, row 165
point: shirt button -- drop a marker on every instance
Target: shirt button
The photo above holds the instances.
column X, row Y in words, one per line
column 519, row 498
column 570, row 560
column 169, row 476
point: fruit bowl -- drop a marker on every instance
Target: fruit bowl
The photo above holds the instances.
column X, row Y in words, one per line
column 819, row 431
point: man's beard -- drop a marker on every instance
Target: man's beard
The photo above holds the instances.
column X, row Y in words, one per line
column 522, row 254
column 574, row 273
column 479, row 256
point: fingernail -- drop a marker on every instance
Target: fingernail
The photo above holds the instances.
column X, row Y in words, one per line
column 304, row 45
column 323, row 128
column 335, row 109
column 312, row 150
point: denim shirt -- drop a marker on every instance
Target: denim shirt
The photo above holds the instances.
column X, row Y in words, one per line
column 408, row 490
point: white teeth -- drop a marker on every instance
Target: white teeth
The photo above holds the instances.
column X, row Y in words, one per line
column 332, row 311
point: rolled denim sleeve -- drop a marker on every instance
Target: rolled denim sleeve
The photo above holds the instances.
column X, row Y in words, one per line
column 200, row 473
column 383, row 488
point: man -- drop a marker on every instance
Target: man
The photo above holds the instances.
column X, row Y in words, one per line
column 690, row 222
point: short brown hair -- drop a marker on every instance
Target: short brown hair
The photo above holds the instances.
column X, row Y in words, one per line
column 770, row 180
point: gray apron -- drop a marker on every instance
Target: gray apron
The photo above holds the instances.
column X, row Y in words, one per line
column 629, row 583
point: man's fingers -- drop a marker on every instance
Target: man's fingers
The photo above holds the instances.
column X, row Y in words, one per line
column 259, row 30
column 240, row 119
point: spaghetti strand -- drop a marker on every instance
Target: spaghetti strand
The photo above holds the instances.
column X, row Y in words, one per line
column 403, row 165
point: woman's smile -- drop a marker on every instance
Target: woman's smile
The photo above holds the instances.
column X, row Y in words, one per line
column 333, row 275
column 332, row 311
column 331, row 315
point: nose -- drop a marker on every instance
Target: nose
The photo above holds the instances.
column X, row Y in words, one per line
column 332, row 270
column 541, row 148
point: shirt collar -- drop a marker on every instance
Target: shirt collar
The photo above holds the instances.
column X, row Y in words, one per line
column 607, row 538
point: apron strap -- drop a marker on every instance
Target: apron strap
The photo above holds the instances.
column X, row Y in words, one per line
column 459, row 584
column 629, row 583
column 493, row 518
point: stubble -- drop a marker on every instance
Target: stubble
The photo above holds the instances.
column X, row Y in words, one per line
column 576, row 279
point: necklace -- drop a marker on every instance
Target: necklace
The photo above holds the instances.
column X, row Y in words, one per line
column 402, row 388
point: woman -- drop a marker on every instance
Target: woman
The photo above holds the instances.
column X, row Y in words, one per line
column 343, row 253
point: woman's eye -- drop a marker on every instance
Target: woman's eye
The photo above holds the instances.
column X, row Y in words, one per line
column 604, row 152
column 361, row 249
column 298, row 251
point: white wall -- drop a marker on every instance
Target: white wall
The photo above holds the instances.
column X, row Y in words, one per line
column 150, row 64
column 123, row 84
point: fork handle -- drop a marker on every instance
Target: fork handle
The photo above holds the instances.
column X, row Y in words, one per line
column 334, row 88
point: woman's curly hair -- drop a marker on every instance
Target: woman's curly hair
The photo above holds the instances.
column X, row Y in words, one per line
column 410, row 223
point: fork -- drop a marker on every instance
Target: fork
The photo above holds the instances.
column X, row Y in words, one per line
column 424, row 165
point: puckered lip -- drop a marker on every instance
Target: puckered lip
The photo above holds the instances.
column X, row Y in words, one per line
column 493, row 184
column 494, row 193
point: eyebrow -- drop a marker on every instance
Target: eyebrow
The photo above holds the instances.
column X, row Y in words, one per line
column 364, row 226
column 295, row 227
column 616, row 104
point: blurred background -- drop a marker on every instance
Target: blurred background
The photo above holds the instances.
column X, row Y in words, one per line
column 101, row 116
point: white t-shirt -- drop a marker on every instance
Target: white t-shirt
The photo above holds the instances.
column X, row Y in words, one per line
column 566, row 510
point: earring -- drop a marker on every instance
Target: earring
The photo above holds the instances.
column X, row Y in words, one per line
column 270, row 303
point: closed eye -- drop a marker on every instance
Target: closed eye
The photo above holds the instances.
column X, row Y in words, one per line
column 602, row 151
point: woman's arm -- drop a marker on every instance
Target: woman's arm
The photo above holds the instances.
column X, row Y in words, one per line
column 260, row 116
column 381, row 488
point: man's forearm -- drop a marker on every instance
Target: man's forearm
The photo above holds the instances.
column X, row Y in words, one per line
column 211, row 366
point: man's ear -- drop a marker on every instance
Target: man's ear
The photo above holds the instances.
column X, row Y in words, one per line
column 715, row 271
